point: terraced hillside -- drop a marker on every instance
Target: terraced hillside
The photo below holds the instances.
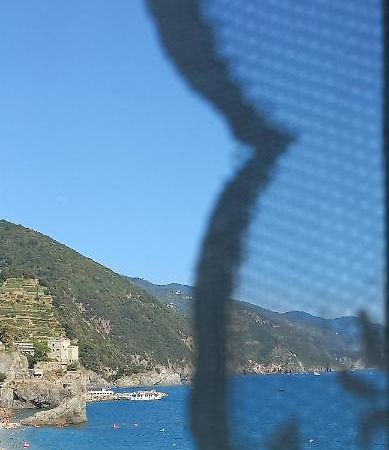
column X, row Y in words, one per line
column 26, row 310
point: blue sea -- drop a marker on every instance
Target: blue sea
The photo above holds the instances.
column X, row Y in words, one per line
column 327, row 418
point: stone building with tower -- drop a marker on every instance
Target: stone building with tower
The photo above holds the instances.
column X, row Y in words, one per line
column 62, row 350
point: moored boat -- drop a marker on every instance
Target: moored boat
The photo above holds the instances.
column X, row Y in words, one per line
column 102, row 394
column 108, row 395
column 147, row 395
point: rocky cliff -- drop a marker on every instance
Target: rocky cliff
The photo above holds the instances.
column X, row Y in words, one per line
column 64, row 395
column 6, row 397
column 60, row 395
column 94, row 380
column 70, row 411
column 47, row 391
column 13, row 364
column 160, row 376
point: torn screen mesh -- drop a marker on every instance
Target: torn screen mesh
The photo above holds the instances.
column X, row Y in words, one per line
column 299, row 229
column 316, row 241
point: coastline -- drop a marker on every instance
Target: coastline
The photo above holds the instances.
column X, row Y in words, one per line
column 145, row 380
column 13, row 439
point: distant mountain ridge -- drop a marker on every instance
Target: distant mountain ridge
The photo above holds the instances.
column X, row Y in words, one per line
column 181, row 295
column 346, row 324
column 338, row 341
column 174, row 295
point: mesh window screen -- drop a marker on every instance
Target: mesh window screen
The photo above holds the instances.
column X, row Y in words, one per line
column 299, row 230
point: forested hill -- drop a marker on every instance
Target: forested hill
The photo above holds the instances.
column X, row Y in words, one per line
column 118, row 325
column 122, row 328
column 268, row 337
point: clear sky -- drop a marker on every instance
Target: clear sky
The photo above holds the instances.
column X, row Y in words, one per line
column 105, row 149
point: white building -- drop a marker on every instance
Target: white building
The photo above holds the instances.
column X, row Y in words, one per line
column 73, row 353
column 25, row 347
column 61, row 350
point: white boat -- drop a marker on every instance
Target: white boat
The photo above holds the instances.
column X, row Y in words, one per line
column 107, row 395
column 316, row 374
column 99, row 394
column 146, row 395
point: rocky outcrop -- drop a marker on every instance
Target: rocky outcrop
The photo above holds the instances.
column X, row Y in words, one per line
column 63, row 392
column 13, row 364
column 70, row 411
column 6, row 397
column 65, row 396
column 95, row 380
column 156, row 377
column 43, row 392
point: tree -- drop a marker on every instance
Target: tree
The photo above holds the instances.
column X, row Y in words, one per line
column 41, row 350
column 40, row 353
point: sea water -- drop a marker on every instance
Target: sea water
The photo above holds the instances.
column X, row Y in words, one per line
column 326, row 416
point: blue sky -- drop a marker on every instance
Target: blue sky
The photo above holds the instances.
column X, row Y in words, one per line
column 103, row 146
column 105, row 149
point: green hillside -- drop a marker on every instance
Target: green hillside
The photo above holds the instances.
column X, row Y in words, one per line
column 267, row 338
column 121, row 327
column 260, row 337
column 117, row 324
